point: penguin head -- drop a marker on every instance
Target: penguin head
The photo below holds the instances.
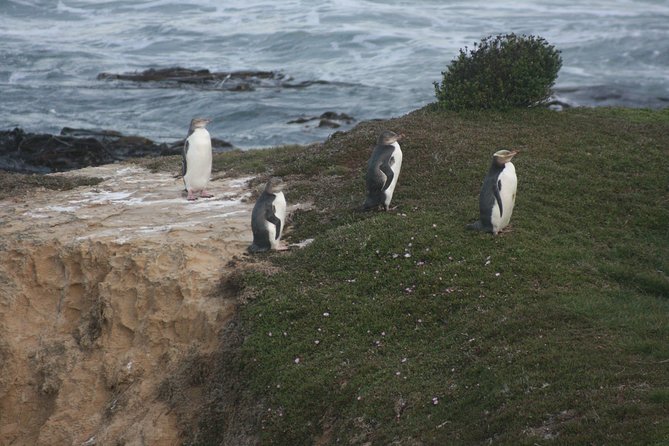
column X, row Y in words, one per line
column 503, row 156
column 274, row 185
column 199, row 123
column 387, row 138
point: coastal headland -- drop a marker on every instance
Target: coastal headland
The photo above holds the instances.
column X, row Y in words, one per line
column 130, row 315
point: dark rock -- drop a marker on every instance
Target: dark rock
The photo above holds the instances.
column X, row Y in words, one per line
column 300, row 120
column 51, row 153
column 77, row 148
column 337, row 117
column 100, row 134
column 185, row 75
column 219, row 145
column 605, row 96
column 224, row 80
column 231, row 81
column 329, row 123
column 328, row 119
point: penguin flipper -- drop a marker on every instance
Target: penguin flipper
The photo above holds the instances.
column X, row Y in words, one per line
column 272, row 218
column 184, row 163
column 386, row 168
column 376, row 179
column 496, row 189
column 184, row 153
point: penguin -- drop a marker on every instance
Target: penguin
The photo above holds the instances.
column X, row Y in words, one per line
column 498, row 194
column 268, row 217
column 197, row 155
column 383, row 170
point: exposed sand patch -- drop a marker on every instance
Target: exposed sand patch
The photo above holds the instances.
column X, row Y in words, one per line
column 103, row 291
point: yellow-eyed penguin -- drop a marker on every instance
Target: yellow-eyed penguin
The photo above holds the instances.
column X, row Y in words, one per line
column 268, row 217
column 498, row 194
column 197, row 157
column 383, row 170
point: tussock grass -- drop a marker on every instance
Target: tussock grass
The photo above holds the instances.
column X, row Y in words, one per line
column 404, row 328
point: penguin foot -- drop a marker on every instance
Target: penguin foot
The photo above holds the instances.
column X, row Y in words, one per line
column 191, row 196
column 205, row 194
column 254, row 249
column 376, row 207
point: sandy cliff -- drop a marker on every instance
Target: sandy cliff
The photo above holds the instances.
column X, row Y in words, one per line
column 103, row 292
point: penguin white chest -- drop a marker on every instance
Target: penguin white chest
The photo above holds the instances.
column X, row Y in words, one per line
column 395, row 166
column 198, row 160
column 280, row 213
column 507, row 182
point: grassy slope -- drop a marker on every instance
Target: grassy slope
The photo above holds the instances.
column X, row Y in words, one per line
column 410, row 329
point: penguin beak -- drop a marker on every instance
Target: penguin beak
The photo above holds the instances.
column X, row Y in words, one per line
column 400, row 136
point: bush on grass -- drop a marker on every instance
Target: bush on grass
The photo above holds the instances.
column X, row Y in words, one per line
column 500, row 72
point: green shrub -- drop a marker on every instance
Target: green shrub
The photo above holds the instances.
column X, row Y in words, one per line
column 500, row 72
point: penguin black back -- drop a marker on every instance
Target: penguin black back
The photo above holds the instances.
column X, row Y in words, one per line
column 268, row 217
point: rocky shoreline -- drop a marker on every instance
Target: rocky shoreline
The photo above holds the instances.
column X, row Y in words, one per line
column 217, row 80
column 77, row 148
column 25, row 152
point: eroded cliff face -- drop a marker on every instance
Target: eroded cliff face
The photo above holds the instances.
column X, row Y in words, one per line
column 104, row 293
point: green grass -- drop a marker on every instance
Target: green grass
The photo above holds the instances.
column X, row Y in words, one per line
column 404, row 328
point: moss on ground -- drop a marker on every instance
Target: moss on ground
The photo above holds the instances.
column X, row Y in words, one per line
column 404, row 328
column 18, row 185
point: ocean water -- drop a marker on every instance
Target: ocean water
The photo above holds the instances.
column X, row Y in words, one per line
column 378, row 58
